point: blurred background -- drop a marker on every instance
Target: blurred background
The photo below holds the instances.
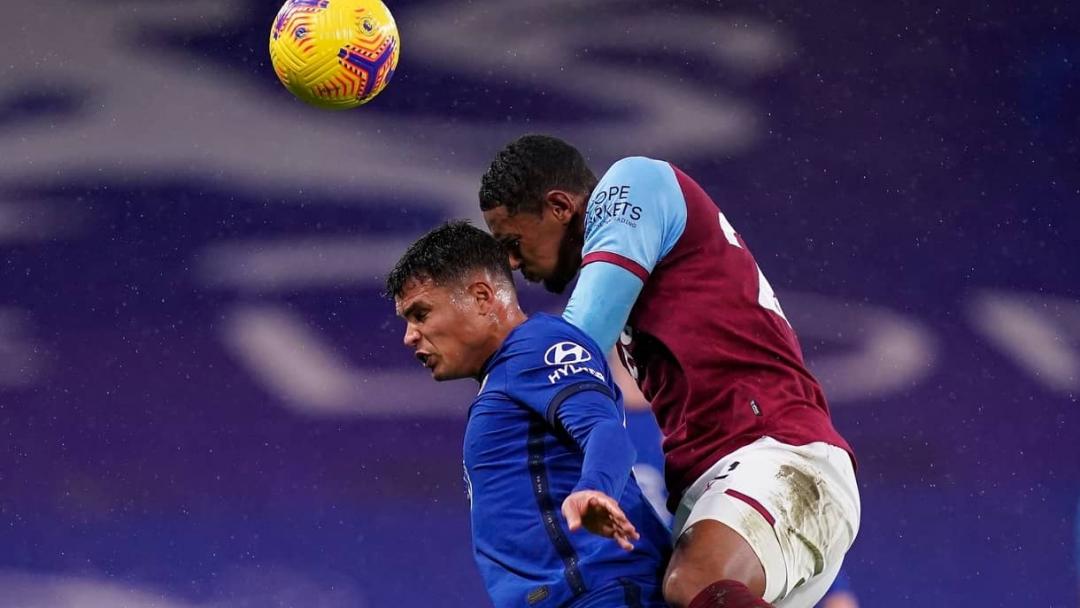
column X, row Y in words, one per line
column 203, row 398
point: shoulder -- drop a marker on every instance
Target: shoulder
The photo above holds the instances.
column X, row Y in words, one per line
column 635, row 191
column 545, row 341
column 635, row 164
column 635, row 180
column 637, row 170
column 539, row 334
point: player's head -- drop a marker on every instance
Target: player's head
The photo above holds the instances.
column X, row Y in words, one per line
column 455, row 291
column 533, row 197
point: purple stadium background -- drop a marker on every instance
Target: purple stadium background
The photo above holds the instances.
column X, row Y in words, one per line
column 204, row 401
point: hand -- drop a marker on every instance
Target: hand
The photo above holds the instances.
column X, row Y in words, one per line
column 601, row 515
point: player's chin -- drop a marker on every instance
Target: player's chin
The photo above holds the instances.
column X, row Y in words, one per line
column 556, row 284
column 531, row 278
column 441, row 373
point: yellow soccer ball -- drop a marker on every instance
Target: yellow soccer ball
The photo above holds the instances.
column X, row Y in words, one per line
column 334, row 54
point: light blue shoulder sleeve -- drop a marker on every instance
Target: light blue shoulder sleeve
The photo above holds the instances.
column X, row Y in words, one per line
column 635, row 217
column 601, row 302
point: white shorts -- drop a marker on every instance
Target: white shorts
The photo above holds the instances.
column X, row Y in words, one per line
column 797, row 506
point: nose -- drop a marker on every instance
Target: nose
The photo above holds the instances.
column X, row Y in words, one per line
column 412, row 336
column 515, row 261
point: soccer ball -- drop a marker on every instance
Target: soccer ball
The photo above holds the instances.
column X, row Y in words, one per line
column 334, row 54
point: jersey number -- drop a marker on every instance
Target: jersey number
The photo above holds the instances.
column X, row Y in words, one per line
column 623, row 346
column 766, row 296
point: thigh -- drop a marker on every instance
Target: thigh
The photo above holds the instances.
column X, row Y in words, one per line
column 710, row 550
column 727, row 534
column 794, row 506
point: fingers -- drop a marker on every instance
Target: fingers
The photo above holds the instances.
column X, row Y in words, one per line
column 626, row 531
column 615, row 517
column 572, row 510
column 629, row 531
column 601, row 515
column 613, row 522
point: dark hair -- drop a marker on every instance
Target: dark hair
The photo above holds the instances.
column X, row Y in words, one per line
column 446, row 254
column 528, row 167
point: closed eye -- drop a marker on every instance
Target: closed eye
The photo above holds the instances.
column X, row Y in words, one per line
column 512, row 245
column 415, row 313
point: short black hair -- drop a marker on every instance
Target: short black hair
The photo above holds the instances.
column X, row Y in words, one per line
column 447, row 254
column 528, row 167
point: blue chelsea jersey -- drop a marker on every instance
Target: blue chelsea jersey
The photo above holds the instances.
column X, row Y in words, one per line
column 548, row 407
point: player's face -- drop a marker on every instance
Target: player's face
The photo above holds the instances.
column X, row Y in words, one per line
column 545, row 246
column 443, row 327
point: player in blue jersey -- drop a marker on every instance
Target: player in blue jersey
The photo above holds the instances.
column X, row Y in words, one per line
column 761, row 485
column 546, row 451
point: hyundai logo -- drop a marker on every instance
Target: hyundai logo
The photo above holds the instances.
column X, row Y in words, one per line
column 566, row 353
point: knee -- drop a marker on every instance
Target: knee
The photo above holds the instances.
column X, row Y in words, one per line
column 680, row 588
column 706, row 553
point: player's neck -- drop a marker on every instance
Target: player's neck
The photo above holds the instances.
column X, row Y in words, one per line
column 507, row 320
column 514, row 317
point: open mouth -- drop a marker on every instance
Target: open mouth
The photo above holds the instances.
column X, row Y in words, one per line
column 426, row 360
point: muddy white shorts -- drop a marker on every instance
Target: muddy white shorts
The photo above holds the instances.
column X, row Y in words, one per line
column 797, row 506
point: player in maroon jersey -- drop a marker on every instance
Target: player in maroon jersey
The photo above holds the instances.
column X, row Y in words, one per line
column 761, row 484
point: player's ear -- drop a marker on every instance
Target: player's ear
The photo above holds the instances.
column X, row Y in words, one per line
column 560, row 204
column 482, row 294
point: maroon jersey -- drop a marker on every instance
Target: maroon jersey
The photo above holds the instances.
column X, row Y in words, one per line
column 708, row 343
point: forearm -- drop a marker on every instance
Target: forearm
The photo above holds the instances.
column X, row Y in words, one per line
column 609, row 457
